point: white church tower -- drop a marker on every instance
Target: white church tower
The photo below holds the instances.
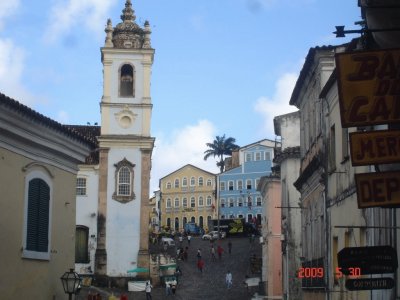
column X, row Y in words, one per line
column 125, row 148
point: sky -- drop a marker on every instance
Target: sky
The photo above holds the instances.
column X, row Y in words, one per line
column 220, row 67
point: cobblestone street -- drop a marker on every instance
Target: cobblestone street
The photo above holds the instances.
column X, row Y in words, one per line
column 210, row 284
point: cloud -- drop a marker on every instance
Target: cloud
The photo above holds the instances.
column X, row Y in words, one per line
column 278, row 104
column 12, row 65
column 67, row 17
column 7, row 8
column 184, row 146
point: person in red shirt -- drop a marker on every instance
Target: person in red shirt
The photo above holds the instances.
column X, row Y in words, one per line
column 220, row 250
column 200, row 265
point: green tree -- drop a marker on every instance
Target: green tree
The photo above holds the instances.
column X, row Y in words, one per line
column 219, row 147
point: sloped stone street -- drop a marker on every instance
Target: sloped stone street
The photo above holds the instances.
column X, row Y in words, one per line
column 210, row 285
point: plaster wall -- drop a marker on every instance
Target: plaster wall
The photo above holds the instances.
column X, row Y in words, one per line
column 24, row 278
column 123, row 219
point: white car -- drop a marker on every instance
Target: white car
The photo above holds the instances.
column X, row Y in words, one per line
column 170, row 242
column 213, row 235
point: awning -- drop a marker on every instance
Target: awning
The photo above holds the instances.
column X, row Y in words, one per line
column 138, row 270
column 168, row 266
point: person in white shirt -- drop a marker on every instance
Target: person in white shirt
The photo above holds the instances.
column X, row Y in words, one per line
column 228, row 279
column 148, row 290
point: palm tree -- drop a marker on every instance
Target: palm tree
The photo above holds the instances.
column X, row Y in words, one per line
column 219, row 147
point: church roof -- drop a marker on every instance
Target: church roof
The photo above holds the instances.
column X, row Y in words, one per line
column 91, row 133
column 33, row 115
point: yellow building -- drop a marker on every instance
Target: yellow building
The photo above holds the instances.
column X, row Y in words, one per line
column 187, row 195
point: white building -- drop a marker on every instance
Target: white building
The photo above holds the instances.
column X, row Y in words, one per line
column 288, row 159
column 113, row 186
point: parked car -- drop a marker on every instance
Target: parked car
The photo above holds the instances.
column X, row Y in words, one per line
column 213, row 235
column 170, row 242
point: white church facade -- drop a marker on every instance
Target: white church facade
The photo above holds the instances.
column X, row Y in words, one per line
column 113, row 185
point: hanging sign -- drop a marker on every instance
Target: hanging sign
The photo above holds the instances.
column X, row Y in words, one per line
column 378, row 189
column 369, row 87
column 375, row 147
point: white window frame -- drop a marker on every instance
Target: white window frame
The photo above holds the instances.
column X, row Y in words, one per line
column 46, row 178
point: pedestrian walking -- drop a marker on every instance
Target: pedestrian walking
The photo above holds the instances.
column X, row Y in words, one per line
column 189, row 237
column 228, row 279
column 180, row 240
column 173, row 288
column 200, row 265
column 167, row 289
column 148, row 290
column 220, row 250
column 198, row 254
column 230, row 247
column 213, row 253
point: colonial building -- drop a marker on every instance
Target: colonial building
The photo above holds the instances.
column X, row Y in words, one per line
column 113, row 186
column 311, row 183
column 187, row 195
column 287, row 161
column 270, row 189
column 237, row 189
column 38, row 166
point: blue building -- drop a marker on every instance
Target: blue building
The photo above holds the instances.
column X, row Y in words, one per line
column 237, row 186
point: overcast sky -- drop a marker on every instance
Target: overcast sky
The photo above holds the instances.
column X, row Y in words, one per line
column 221, row 66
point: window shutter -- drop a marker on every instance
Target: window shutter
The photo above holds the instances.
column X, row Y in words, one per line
column 38, row 216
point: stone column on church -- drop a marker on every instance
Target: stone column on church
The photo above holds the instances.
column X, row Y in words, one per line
column 101, row 253
column 143, row 255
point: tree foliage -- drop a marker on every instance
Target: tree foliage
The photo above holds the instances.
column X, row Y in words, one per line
column 220, row 147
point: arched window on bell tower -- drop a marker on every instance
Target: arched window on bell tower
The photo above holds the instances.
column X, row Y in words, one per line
column 127, row 81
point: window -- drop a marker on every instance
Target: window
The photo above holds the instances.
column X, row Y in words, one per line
column 192, row 181
column 231, row 216
column 230, row 201
column 222, row 216
column 240, row 201
column 332, row 152
column 222, row 186
column 201, row 201
column 169, row 203
column 176, row 185
column 184, row 202
column 184, row 181
column 259, row 201
column 177, row 224
column 124, row 181
column 127, row 81
column 345, row 144
column 169, row 222
column 257, row 182
column 201, row 221
column 81, row 186
column 176, row 202
column 230, row 185
column 81, row 244
column 239, row 184
column 201, row 181
column 193, row 219
column 258, row 155
column 222, row 202
column 248, row 184
column 209, row 182
column 37, row 219
column 169, row 185
column 268, row 155
column 248, row 157
column 192, row 202
column 209, row 200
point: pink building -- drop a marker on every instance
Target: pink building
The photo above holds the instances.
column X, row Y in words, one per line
column 270, row 188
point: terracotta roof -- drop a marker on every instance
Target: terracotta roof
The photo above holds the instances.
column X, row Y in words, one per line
column 91, row 133
column 41, row 119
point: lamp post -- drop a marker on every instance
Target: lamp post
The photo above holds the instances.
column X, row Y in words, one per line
column 71, row 283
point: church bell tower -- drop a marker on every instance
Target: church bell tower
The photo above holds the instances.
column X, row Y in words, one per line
column 125, row 147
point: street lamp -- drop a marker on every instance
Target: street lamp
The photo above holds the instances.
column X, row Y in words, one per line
column 71, row 283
